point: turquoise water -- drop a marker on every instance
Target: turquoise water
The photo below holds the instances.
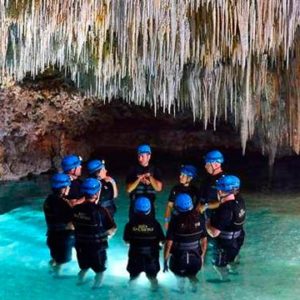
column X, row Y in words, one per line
column 269, row 268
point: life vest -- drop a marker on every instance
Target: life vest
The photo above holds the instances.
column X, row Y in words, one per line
column 188, row 240
column 88, row 222
column 144, row 189
column 74, row 192
column 239, row 214
column 107, row 193
column 54, row 210
column 143, row 237
column 238, row 220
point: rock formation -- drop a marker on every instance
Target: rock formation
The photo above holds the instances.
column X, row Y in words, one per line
column 234, row 61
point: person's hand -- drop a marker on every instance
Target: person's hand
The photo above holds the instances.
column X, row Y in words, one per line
column 74, row 202
column 202, row 260
column 167, row 220
column 202, row 208
column 109, row 179
column 145, row 179
column 166, row 267
column 140, row 177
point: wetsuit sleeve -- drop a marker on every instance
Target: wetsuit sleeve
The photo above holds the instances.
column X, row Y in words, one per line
column 126, row 234
column 109, row 223
column 172, row 195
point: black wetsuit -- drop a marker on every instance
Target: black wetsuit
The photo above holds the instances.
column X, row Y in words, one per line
column 60, row 239
column 107, row 197
column 142, row 189
column 241, row 238
column 229, row 218
column 186, row 230
column 190, row 190
column 74, row 192
column 208, row 192
column 143, row 233
column 91, row 224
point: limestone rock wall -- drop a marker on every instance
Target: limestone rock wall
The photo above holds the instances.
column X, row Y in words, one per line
column 45, row 119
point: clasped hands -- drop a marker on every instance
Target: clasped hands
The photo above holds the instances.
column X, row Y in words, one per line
column 145, row 178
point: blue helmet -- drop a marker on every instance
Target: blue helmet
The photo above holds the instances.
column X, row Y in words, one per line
column 183, row 202
column 60, row 181
column 144, row 148
column 142, row 205
column 70, row 162
column 90, row 186
column 95, row 165
column 228, row 183
column 189, row 170
column 214, row 156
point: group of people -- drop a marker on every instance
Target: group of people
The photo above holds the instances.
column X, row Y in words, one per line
column 80, row 213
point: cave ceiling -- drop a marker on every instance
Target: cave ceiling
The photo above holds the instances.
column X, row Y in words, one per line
column 232, row 60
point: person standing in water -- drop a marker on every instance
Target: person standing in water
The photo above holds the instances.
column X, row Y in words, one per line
column 187, row 174
column 208, row 193
column 58, row 215
column 109, row 190
column 71, row 165
column 93, row 224
column 143, row 179
column 186, row 242
column 143, row 233
column 226, row 224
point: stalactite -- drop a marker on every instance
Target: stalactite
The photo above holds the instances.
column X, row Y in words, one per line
column 210, row 56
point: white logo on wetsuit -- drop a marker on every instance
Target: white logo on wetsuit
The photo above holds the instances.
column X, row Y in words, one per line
column 241, row 213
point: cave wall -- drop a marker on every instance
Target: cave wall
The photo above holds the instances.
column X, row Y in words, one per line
column 236, row 60
column 45, row 119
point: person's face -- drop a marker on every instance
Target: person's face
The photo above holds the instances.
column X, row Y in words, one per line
column 75, row 172
column 212, row 167
column 78, row 171
column 222, row 195
column 184, row 179
column 102, row 173
column 143, row 159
